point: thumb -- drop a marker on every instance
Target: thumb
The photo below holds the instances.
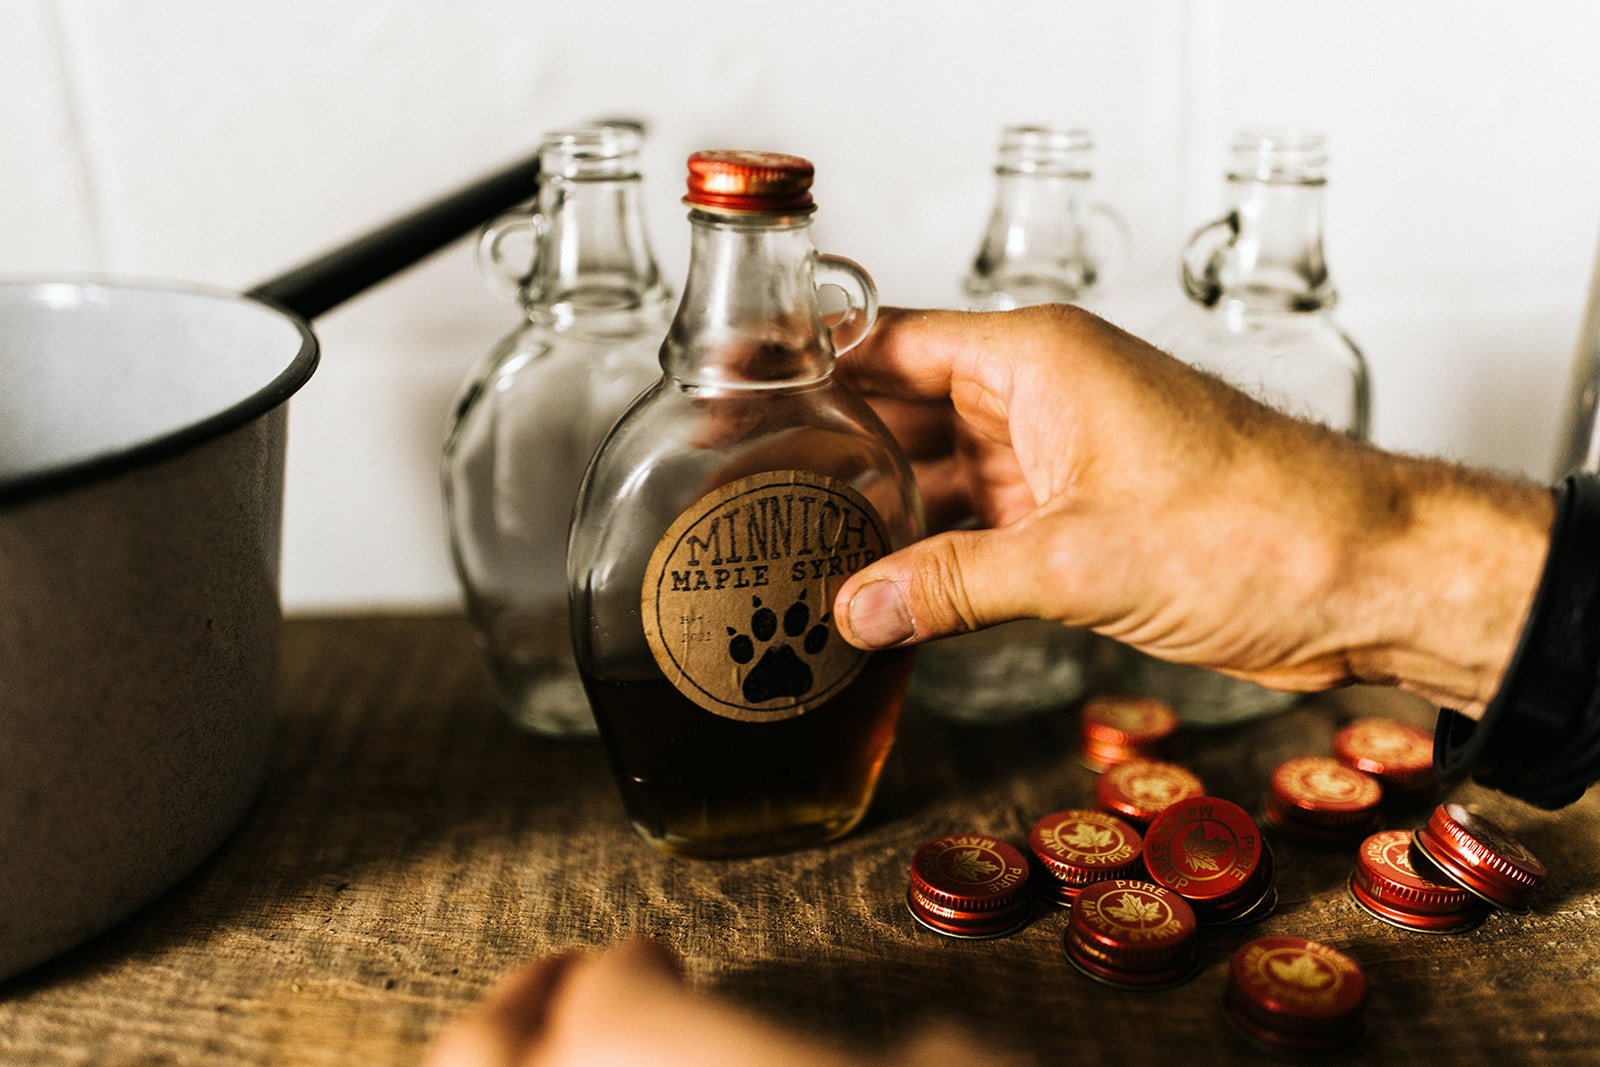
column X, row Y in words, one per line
column 947, row 584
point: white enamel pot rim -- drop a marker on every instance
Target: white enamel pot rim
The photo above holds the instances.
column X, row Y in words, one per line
column 271, row 354
column 142, row 440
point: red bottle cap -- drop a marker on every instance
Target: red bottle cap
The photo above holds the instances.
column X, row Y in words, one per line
column 1141, row 789
column 969, row 885
column 1387, row 885
column 1480, row 857
column 1210, row 852
column 1322, row 800
column 1132, row 934
column 1398, row 754
column 1079, row 848
column 1117, row 729
column 1290, row 993
column 767, row 183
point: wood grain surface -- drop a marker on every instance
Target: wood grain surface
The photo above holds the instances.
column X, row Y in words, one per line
column 410, row 844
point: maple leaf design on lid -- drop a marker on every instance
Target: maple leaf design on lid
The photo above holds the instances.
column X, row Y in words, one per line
column 1387, row 739
column 1204, row 853
column 1302, row 971
column 1399, row 855
column 1087, row 837
column 1332, row 785
column 970, row 866
column 1135, row 910
column 1152, row 788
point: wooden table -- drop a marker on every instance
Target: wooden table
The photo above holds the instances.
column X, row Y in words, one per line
column 410, row 844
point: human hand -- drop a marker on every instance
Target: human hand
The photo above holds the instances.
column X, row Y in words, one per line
column 628, row 1005
column 1132, row 495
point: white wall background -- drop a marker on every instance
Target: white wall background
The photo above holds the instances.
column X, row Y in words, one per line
column 220, row 141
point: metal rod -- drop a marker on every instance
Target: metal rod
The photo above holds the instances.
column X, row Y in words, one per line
column 330, row 279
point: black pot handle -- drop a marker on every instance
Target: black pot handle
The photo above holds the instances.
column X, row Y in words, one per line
column 335, row 276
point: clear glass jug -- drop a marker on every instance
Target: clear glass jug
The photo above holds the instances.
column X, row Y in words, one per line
column 531, row 415
column 1045, row 242
column 716, row 524
column 1260, row 317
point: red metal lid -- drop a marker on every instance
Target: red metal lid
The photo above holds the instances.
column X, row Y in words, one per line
column 1386, row 884
column 1480, row 857
column 1077, row 848
column 1117, row 729
column 1290, row 993
column 750, row 182
column 1141, row 789
column 1132, row 934
column 969, row 885
column 1397, row 753
column 1322, row 799
column 1210, row 852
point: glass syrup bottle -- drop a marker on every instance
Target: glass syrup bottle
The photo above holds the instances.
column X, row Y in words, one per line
column 1045, row 242
column 716, row 524
column 1260, row 316
column 530, row 417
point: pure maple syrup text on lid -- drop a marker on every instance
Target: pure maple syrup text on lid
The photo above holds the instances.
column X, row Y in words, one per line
column 1076, row 848
column 1210, row 852
column 1322, row 801
column 1479, row 856
column 969, row 885
column 1297, row 995
column 1141, row 789
column 1133, row 935
column 1391, row 887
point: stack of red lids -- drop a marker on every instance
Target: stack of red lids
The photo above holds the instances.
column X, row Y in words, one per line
column 1117, row 729
column 1390, row 887
column 1397, row 754
column 1077, row 848
column 1132, row 934
column 969, row 885
column 1297, row 995
column 1478, row 856
column 1141, row 789
column 1210, row 852
column 1322, row 801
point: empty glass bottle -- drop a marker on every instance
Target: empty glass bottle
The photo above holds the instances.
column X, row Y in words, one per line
column 1260, row 317
column 1045, row 243
column 716, row 524
column 530, row 417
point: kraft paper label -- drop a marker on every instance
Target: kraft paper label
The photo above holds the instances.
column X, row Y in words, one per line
column 738, row 596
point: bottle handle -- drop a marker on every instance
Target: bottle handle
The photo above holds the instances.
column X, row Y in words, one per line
column 506, row 272
column 1109, row 234
column 849, row 324
column 1200, row 253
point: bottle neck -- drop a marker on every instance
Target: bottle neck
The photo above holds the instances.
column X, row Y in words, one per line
column 1035, row 250
column 749, row 316
column 594, row 261
column 1275, row 260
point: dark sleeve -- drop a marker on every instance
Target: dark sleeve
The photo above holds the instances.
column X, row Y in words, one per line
column 1539, row 738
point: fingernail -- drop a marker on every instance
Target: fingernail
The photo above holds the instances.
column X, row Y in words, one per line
column 879, row 616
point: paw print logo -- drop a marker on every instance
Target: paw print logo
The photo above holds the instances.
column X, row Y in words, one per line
column 781, row 672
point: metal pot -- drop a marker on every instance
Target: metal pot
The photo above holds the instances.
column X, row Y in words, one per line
column 141, row 497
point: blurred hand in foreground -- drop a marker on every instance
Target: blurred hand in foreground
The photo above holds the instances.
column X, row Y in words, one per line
column 629, row 1006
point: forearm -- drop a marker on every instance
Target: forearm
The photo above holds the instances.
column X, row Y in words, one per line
column 1443, row 578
